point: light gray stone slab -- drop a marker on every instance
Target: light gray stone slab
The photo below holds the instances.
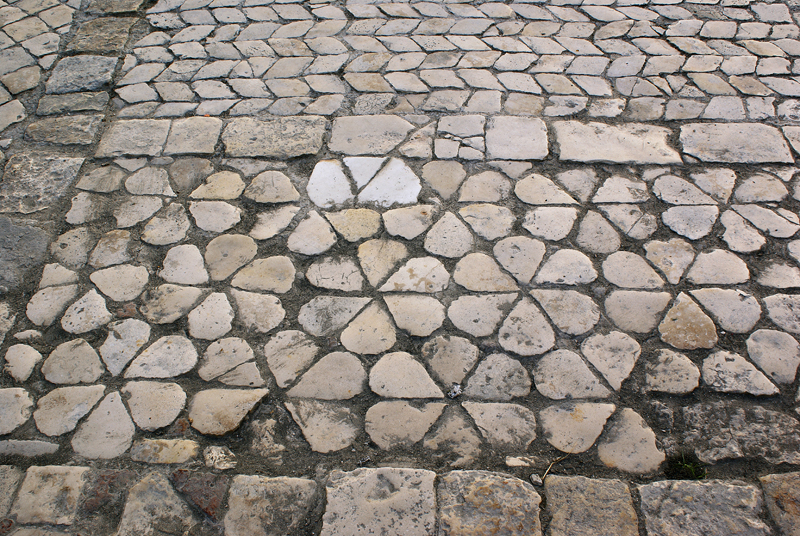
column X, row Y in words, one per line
column 631, row 143
column 279, row 138
column 50, row 494
column 263, row 506
column 516, row 138
column 582, row 506
column 747, row 143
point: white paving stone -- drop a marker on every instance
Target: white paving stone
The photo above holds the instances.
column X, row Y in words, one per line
column 449, row 237
column 167, row 357
column 418, row 315
column 107, row 432
column 731, row 373
column 563, row 374
column 567, row 267
column 154, row 405
column 614, row 355
column 734, row 310
column 672, row 372
column 337, row 376
column 776, row 353
column 629, row 444
column 72, row 362
column 479, row 315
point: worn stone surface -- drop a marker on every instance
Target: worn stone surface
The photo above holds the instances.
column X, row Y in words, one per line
column 279, row 138
column 583, row 506
column 49, row 494
column 268, row 506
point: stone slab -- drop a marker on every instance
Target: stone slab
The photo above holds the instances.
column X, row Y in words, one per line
column 746, row 143
column 632, row 143
column 286, row 137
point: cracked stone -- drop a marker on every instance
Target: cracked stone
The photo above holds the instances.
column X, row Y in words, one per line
column 574, row 427
column 734, row 310
column 167, row 357
column 731, row 373
column 563, row 374
column 59, row 411
column 686, row 327
column 498, row 377
column 614, row 355
column 167, row 303
column 337, row 376
column 212, row 318
column 219, row 411
column 398, row 423
column 371, row 332
column 673, row 372
column 399, row 375
column 227, row 253
column 327, row 426
column 509, row 427
column 450, row 358
column 418, row 315
column 50, row 494
column 107, row 432
column 480, row 315
column 312, row 236
column 154, row 405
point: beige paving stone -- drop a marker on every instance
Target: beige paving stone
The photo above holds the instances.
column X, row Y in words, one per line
column 672, row 257
column 520, row 255
column 454, row 440
column 480, row 315
column 550, row 223
column 154, row 506
column 184, row 265
column 121, row 283
column 734, row 142
column 614, row 355
column 107, row 432
column 484, row 502
column 17, row 406
column 271, row 187
column 488, row 221
column 498, row 377
column 567, row 267
column 734, row 310
column 444, row 176
column 327, row 426
column 487, row 186
column 672, row 372
column 111, row 249
column 449, row 237
column 265, row 506
column 215, row 216
column 72, row 362
column 337, row 376
column 259, row 312
column 20, row 361
column 516, row 138
column 334, row 273
column 629, row 444
column 285, row 137
column 164, row 451
column 508, row 427
column 580, row 505
column 399, row 375
column 378, row 136
column 573, row 427
column 355, row 224
column 479, row 272
column 731, row 373
column 59, row 411
column 225, row 254
column 272, row 222
column 686, row 327
column 125, row 339
column 572, row 312
column 355, row 499
column 168, row 227
column 399, row 423
column 219, row 411
column 50, row 494
column 86, row 314
column 423, row 274
column 312, row 236
column 718, row 267
column 408, row 222
column 154, row 405
column 418, row 315
column 596, row 235
column 632, row 143
column 539, row 190
column 776, row 353
column 371, row 332
column 273, row 274
column 628, row 270
column 563, row 374
column 636, row 311
column 780, row 493
column 167, row 357
column 450, row 358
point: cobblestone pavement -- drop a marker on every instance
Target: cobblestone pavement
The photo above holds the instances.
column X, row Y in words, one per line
column 362, row 267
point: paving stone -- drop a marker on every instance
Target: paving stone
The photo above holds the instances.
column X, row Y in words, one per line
column 423, row 274
column 312, row 236
column 574, row 427
column 73, row 130
column 81, row 73
column 334, row 273
column 776, row 353
column 516, row 138
column 227, row 253
column 567, row 267
column 731, row 373
column 371, row 332
column 357, row 499
column 449, row 237
column 418, row 315
column 484, row 502
column 21, row 248
column 692, row 222
column 444, row 176
column 72, row 362
column 394, row 183
column 17, row 405
column 629, row 270
column 166, row 451
column 107, row 432
column 715, row 508
column 184, row 265
column 525, row 331
column 221, row 185
column 378, row 136
column 286, row 137
column 121, row 283
column 672, row 257
column 480, row 315
column 498, row 377
column 636, row 311
column 489, row 221
column 614, row 355
column 167, row 303
column 733, row 310
column 219, row 411
column 673, row 372
column 686, row 327
column 355, row 224
column 153, row 506
column 268, row 506
column 780, row 492
column 49, row 494
column 629, row 444
column 571, row 311
column 718, row 267
column 327, row 426
column 563, row 374
column 479, row 272
column 616, row 144
column 59, row 411
column 105, row 35
column 337, row 376
column 25, row 189
column 454, row 440
column 154, row 405
column 270, row 187
column 550, row 223
column 193, row 135
column 47, row 305
column 580, row 505
column 167, row 357
column 509, row 427
column 398, row 423
column 272, row 222
column 721, row 430
column 734, row 142
column 21, row 360
column 450, row 358
column 399, row 375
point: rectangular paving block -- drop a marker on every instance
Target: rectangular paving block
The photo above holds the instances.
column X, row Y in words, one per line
column 193, row 135
column 134, row 137
column 516, row 138
column 746, row 143
column 632, row 143
column 50, row 494
column 279, row 138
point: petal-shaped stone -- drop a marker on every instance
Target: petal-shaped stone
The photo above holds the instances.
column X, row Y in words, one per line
column 731, row 373
column 629, row 444
column 686, row 326
column 408, row 222
column 595, row 234
column 371, row 332
column 219, row 411
column 212, row 318
column 693, row 222
column 449, row 237
column 215, row 216
column 227, row 253
column 444, row 176
column 779, row 275
column 363, row 168
column 86, row 314
column 520, row 255
column 504, row 426
column 398, row 423
column 480, row 315
column 107, row 432
column 628, row 270
column 563, row 374
column 327, row 426
column 450, row 358
column 734, row 310
column 776, row 353
column 355, row 224
column 718, row 267
column 423, row 274
column 498, row 377
column 784, row 310
column 337, row 376
column 184, row 265
column 222, row 356
column 271, row 187
column 225, row 185
column 617, row 189
column 273, row 274
column 169, row 356
column 378, row 257
column 258, row 312
column 169, row 227
column 550, row 223
column 48, row 304
column 479, row 272
column 288, row 353
column 567, row 267
column 676, row 191
column 328, row 186
column 717, row 182
column 571, row 311
column 312, row 236
column 614, row 355
column 574, row 427
column 418, row 315
column 59, row 411
column 271, row 222
column 325, row 315
column 636, row 311
column 399, row 375
column 167, row 303
column 672, row 258
column 121, row 283
column 396, row 183
column 72, row 362
column 21, row 359
column 154, row 405
column 525, row 331
column 672, row 373
column 453, row 440
column 539, row 190
column 489, row 221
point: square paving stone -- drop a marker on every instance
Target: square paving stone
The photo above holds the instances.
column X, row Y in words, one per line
column 590, row 507
column 105, row 35
column 135, row 137
column 782, row 493
column 194, row 135
column 33, row 183
column 280, row 138
column 81, row 73
column 50, row 494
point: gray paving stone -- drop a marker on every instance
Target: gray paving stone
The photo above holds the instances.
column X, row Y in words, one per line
column 618, row 144
column 50, row 494
column 734, row 142
column 279, row 138
column 81, row 73
column 583, row 506
column 780, row 492
column 153, row 506
column 268, row 506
